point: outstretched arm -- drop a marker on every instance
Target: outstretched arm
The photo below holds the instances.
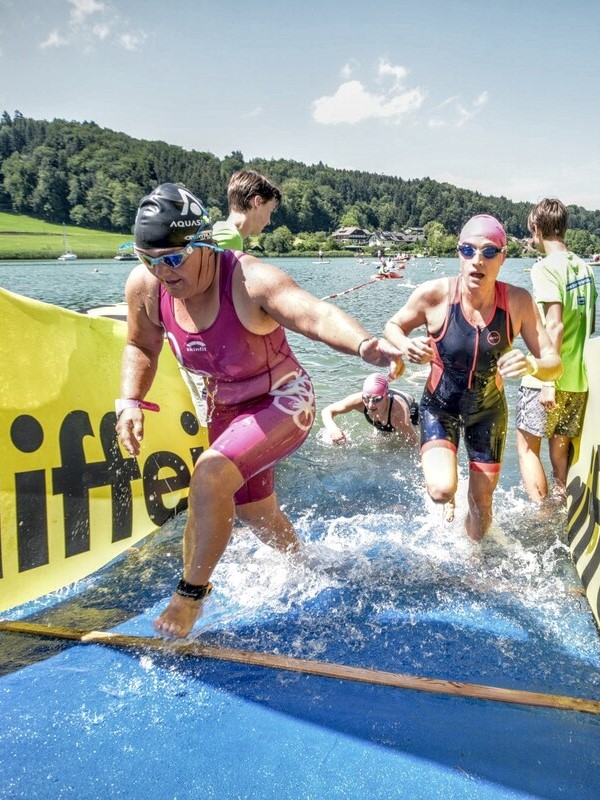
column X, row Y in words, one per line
column 412, row 315
column 351, row 403
column 298, row 310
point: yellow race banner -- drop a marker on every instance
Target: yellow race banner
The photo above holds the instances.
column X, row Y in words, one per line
column 583, row 488
column 71, row 499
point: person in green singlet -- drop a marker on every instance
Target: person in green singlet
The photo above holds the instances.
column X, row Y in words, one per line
column 564, row 289
column 252, row 199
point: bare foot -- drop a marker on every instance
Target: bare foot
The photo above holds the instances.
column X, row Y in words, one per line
column 179, row 616
column 449, row 509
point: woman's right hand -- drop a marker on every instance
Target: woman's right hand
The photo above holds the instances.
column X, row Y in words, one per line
column 130, row 429
column 337, row 436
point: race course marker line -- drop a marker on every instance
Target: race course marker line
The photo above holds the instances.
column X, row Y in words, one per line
column 351, row 289
column 325, row 669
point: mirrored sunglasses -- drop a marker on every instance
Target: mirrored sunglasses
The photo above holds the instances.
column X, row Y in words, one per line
column 374, row 398
column 172, row 260
column 489, row 251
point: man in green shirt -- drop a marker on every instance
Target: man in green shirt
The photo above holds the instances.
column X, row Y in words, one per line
column 564, row 288
column 251, row 199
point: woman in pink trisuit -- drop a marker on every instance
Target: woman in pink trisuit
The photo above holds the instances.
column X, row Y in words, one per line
column 224, row 315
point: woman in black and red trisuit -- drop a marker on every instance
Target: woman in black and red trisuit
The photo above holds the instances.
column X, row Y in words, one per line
column 471, row 321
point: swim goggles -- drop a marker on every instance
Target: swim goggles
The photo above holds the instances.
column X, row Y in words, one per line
column 173, row 260
column 489, row 251
column 376, row 398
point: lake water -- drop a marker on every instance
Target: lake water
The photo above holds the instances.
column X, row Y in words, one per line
column 378, row 552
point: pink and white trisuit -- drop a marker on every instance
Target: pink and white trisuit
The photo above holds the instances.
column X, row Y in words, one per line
column 261, row 403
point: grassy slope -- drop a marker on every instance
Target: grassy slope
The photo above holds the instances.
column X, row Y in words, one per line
column 29, row 238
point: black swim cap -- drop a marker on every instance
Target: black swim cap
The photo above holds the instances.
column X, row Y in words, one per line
column 170, row 216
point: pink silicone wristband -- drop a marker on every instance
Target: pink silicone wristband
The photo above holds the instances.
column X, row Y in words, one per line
column 122, row 404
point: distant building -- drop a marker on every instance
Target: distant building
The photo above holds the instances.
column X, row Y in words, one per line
column 385, row 239
column 351, row 237
column 413, row 235
column 356, row 238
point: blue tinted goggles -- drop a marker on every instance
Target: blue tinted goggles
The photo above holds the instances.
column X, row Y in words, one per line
column 489, row 251
column 173, row 260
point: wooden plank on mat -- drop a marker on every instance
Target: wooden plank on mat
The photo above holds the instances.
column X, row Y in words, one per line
column 196, row 649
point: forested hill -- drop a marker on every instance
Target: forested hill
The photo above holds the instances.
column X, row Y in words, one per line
column 78, row 172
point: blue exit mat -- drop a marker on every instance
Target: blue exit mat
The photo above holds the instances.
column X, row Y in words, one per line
column 92, row 721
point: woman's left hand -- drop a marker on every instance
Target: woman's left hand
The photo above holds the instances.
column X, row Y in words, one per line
column 514, row 364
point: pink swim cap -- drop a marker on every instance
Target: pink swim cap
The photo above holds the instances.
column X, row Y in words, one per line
column 484, row 225
column 375, row 384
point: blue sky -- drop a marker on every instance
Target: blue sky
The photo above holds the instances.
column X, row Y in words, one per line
column 500, row 97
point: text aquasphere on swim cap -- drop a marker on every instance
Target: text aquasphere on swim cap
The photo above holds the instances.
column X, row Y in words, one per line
column 170, row 216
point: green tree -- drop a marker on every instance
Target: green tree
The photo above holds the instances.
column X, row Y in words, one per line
column 436, row 239
column 280, row 241
column 355, row 216
column 514, row 248
column 580, row 242
column 20, row 179
column 91, row 175
column 230, row 164
column 215, row 214
column 125, row 199
column 99, row 202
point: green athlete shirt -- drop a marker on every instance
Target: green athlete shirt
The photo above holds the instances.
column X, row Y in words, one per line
column 227, row 236
column 565, row 278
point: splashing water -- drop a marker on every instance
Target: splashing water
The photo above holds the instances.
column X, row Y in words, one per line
column 383, row 581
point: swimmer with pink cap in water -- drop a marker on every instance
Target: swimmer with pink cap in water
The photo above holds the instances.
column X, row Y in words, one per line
column 387, row 410
column 470, row 322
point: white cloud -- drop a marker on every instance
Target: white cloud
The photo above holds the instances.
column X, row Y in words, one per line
column 132, row 41
column 91, row 22
column 452, row 113
column 101, row 31
column 353, row 103
column 398, row 72
column 83, row 8
column 54, row 40
column 347, row 71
